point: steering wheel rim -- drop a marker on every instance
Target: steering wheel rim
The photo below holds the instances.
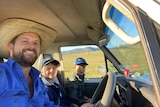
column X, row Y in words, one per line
column 107, row 86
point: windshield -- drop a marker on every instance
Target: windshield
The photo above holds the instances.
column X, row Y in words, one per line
column 131, row 56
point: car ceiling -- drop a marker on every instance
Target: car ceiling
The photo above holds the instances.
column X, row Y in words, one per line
column 70, row 18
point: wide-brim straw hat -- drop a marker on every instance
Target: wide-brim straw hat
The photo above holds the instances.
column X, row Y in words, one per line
column 12, row 27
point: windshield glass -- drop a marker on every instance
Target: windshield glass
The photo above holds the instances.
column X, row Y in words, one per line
column 131, row 56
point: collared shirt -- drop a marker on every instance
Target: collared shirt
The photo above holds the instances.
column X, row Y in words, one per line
column 14, row 89
column 56, row 92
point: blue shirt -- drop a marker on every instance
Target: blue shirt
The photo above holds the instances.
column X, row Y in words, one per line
column 56, row 93
column 14, row 89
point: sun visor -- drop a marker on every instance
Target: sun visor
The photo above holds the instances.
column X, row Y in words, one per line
column 98, row 37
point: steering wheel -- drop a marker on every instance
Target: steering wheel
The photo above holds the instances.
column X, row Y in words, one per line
column 105, row 89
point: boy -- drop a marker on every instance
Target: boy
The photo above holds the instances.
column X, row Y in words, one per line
column 55, row 91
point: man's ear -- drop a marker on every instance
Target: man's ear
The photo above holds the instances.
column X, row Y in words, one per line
column 10, row 48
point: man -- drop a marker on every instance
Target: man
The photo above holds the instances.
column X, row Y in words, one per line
column 76, row 88
column 55, row 90
column 22, row 41
column 20, row 82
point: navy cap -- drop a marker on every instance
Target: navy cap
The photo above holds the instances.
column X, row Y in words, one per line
column 80, row 61
column 47, row 58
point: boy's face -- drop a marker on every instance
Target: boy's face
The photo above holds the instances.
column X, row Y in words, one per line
column 80, row 69
column 49, row 71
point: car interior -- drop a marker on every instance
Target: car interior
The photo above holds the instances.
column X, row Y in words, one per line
column 100, row 23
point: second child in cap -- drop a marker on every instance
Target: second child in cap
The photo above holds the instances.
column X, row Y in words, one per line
column 76, row 88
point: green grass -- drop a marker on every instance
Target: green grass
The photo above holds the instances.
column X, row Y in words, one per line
column 93, row 59
column 131, row 55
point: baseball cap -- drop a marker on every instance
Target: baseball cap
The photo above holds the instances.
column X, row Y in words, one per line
column 47, row 58
column 80, row 61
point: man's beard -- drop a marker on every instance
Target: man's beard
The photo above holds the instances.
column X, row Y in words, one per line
column 22, row 60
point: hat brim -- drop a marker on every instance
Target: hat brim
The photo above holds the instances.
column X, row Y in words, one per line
column 52, row 61
column 82, row 64
column 10, row 28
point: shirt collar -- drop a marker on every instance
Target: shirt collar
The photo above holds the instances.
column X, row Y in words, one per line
column 12, row 62
column 34, row 73
column 79, row 77
column 47, row 81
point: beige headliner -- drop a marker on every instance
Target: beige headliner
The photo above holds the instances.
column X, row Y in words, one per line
column 70, row 18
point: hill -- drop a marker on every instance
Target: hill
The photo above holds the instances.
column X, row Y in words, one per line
column 80, row 50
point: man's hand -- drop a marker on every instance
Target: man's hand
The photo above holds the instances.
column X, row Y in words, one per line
column 87, row 99
column 87, row 105
column 74, row 105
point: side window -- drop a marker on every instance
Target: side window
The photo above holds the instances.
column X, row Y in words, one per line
column 93, row 56
column 126, row 48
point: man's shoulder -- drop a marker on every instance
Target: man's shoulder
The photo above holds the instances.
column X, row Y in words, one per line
column 7, row 65
column 3, row 67
column 4, row 75
column 3, row 64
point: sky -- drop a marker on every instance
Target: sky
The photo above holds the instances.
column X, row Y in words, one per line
column 75, row 47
